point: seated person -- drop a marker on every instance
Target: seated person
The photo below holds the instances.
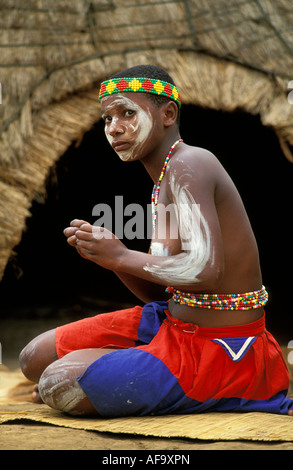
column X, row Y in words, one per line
column 199, row 343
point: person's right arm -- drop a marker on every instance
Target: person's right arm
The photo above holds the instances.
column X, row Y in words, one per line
column 144, row 290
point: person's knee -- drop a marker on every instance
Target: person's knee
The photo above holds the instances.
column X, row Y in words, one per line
column 59, row 389
column 26, row 361
column 37, row 355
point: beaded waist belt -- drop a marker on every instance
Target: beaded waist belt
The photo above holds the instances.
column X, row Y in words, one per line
column 247, row 301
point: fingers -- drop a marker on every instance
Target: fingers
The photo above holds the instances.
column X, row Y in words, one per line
column 77, row 223
column 100, row 233
column 78, row 226
column 82, row 234
column 69, row 231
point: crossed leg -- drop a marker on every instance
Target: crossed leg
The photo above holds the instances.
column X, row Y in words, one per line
column 57, row 378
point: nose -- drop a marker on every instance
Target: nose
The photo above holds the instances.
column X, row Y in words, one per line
column 115, row 127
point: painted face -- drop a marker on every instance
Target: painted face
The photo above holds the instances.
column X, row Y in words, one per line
column 127, row 125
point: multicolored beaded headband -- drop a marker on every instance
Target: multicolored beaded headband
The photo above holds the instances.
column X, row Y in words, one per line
column 140, row 85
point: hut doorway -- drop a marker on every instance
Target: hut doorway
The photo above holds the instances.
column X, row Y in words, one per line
column 49, row 272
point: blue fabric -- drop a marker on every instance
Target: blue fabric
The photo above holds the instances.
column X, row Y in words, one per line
column 152, row 317
column 142, row 385
column 134, row 382
column 130, row 382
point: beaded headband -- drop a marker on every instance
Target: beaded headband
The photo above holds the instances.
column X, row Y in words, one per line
column 140, row 85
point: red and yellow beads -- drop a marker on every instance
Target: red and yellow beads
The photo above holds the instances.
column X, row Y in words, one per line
column 247, row 301
column 140, row 85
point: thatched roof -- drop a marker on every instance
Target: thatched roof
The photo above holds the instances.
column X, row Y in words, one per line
column 53, row 54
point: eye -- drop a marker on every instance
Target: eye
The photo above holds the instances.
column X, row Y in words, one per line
column 129, row 112
column 107, row 118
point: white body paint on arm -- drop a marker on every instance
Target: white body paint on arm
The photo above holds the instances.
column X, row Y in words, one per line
column 195, row 241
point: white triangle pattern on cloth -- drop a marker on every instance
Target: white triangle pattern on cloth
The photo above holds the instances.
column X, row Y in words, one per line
column 236, row 347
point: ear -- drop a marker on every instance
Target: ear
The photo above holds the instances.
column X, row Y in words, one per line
column 170, row 113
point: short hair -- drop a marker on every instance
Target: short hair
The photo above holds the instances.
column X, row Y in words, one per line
column 150, row 71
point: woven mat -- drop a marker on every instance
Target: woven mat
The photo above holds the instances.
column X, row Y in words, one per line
column 15, row 406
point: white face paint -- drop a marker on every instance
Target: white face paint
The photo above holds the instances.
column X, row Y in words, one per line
column 195, row 240
column 134, row 132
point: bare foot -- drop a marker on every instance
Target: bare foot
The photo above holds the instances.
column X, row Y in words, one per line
column 36, row 396
column 290, row 412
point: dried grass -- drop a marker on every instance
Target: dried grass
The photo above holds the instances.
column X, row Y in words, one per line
column 54, row 55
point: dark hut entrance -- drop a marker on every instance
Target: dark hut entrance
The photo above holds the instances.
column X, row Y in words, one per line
column 55, row 277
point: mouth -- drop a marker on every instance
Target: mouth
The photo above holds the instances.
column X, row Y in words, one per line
column 120, row 145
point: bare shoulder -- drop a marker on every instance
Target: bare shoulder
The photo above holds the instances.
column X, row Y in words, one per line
column 196, row 163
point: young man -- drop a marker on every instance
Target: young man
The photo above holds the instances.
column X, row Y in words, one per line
column 199, row 345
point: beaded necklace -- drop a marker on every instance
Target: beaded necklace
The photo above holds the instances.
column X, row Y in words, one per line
column 246, row 301
column 156, row 188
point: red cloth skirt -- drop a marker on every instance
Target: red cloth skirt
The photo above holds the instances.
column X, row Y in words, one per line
column 163, row 365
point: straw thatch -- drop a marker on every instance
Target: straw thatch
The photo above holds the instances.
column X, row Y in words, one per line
column 53, row 54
